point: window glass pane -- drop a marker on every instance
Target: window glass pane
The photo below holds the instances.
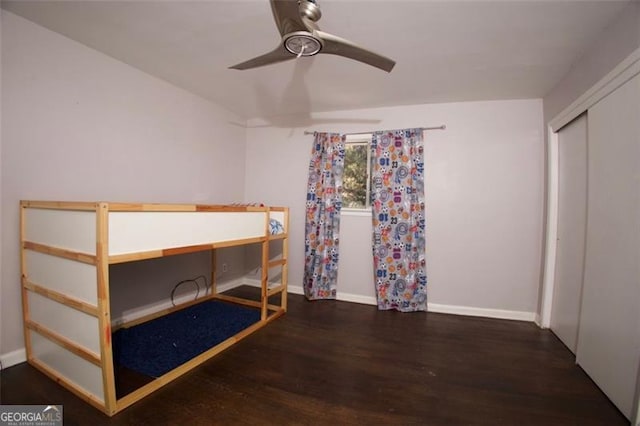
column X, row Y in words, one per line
column 354, row 180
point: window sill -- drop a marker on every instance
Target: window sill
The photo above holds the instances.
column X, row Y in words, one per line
column 355, row 212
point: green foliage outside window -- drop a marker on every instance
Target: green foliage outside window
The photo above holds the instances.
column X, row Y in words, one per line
column 354, row 180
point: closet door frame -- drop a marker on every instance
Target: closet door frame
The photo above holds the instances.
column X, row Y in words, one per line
column 572, row 227
column 623, row 72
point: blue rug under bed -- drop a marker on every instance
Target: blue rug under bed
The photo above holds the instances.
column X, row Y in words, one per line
column 158, row 346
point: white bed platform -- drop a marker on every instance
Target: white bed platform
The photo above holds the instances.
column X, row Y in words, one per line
column 66, row 250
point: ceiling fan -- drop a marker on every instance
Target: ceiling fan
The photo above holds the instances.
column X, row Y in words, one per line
column 301, row 36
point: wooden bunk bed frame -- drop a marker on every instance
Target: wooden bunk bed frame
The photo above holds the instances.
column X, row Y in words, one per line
column 66, row 250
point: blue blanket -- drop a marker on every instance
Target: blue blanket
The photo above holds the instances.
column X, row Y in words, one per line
column 158, row 346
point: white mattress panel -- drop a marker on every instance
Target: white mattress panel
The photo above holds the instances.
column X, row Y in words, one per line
column 67, row 229
column 131, row 232
column 65, row 276
column 75, row 325
column 81, row 372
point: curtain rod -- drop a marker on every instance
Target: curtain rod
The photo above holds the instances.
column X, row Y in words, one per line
column 443, row 127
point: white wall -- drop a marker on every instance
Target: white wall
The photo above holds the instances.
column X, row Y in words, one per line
column 78, row 125
column 484, row 198
column 616, row 42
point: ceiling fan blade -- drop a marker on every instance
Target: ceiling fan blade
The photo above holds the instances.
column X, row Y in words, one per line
column 335, row 45
column 280, row 54
column 286, row 13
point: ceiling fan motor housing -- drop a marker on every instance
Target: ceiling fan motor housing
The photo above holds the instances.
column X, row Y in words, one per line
column 302, row 43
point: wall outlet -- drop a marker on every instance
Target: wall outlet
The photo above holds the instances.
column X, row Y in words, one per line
column 224, row 267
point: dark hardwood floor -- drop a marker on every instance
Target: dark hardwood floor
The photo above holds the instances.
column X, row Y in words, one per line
column 346, row 364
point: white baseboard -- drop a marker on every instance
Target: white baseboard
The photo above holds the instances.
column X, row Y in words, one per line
column 357, row 298
column 12, row 358
column 431, row 307
column 237, row 282
column 481, row 312
column 142, row 311
column 295, row 289
column 343, row 297
column 18, row 356
column 538, row 320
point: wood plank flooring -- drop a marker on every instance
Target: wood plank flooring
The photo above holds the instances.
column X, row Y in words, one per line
column 339, row 363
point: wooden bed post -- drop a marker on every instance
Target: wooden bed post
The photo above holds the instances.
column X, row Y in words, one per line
column 25, row 293
column 264, row 279
column 214, row 284
column 285, row 265
column 104, row 310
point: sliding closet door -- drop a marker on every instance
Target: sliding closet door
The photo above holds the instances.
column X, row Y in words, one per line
column 609, row 335
column 572, row 218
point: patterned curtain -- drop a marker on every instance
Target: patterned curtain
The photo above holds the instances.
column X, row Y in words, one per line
column 397, row 203
column 324, row 200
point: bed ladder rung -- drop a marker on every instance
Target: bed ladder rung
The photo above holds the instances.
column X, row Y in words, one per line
column 278, row 262
column 275, row 290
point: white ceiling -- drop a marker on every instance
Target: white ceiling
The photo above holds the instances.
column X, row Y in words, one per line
column 445, row 50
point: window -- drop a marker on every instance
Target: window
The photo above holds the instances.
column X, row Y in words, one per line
column 356, row 176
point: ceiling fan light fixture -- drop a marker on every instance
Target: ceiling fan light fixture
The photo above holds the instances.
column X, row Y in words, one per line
column 302, row 44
